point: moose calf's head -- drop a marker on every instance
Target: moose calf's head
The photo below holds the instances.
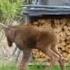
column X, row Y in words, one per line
column 10, row 34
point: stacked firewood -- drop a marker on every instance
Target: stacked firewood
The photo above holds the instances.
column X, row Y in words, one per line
column 61, row 28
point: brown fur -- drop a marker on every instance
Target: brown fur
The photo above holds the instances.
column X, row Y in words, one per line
column 27, row 37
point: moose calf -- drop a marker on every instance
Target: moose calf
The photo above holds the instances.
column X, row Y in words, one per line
column 28, row 37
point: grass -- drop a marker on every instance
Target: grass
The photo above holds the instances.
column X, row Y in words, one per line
column 10, row 9
column 43, row 67
column 30, row 67
column 8, row 67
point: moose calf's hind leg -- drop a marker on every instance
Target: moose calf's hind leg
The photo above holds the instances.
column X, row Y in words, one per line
column 60, row 59
column 61, row 63
column 53, row 48
column 56, row 58
column 25, row 59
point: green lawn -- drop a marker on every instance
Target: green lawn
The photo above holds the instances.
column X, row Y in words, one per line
column 31, row 67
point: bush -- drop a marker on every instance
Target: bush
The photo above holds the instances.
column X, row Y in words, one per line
column 10, row 9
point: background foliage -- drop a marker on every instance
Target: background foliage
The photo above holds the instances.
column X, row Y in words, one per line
column 10, row 10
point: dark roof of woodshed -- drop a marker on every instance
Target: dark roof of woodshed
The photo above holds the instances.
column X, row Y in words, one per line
column 48, row 7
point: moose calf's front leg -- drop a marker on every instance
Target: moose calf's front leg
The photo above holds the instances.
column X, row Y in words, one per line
column 25, row 59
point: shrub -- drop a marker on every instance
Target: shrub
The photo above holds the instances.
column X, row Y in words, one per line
column 10, row 9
